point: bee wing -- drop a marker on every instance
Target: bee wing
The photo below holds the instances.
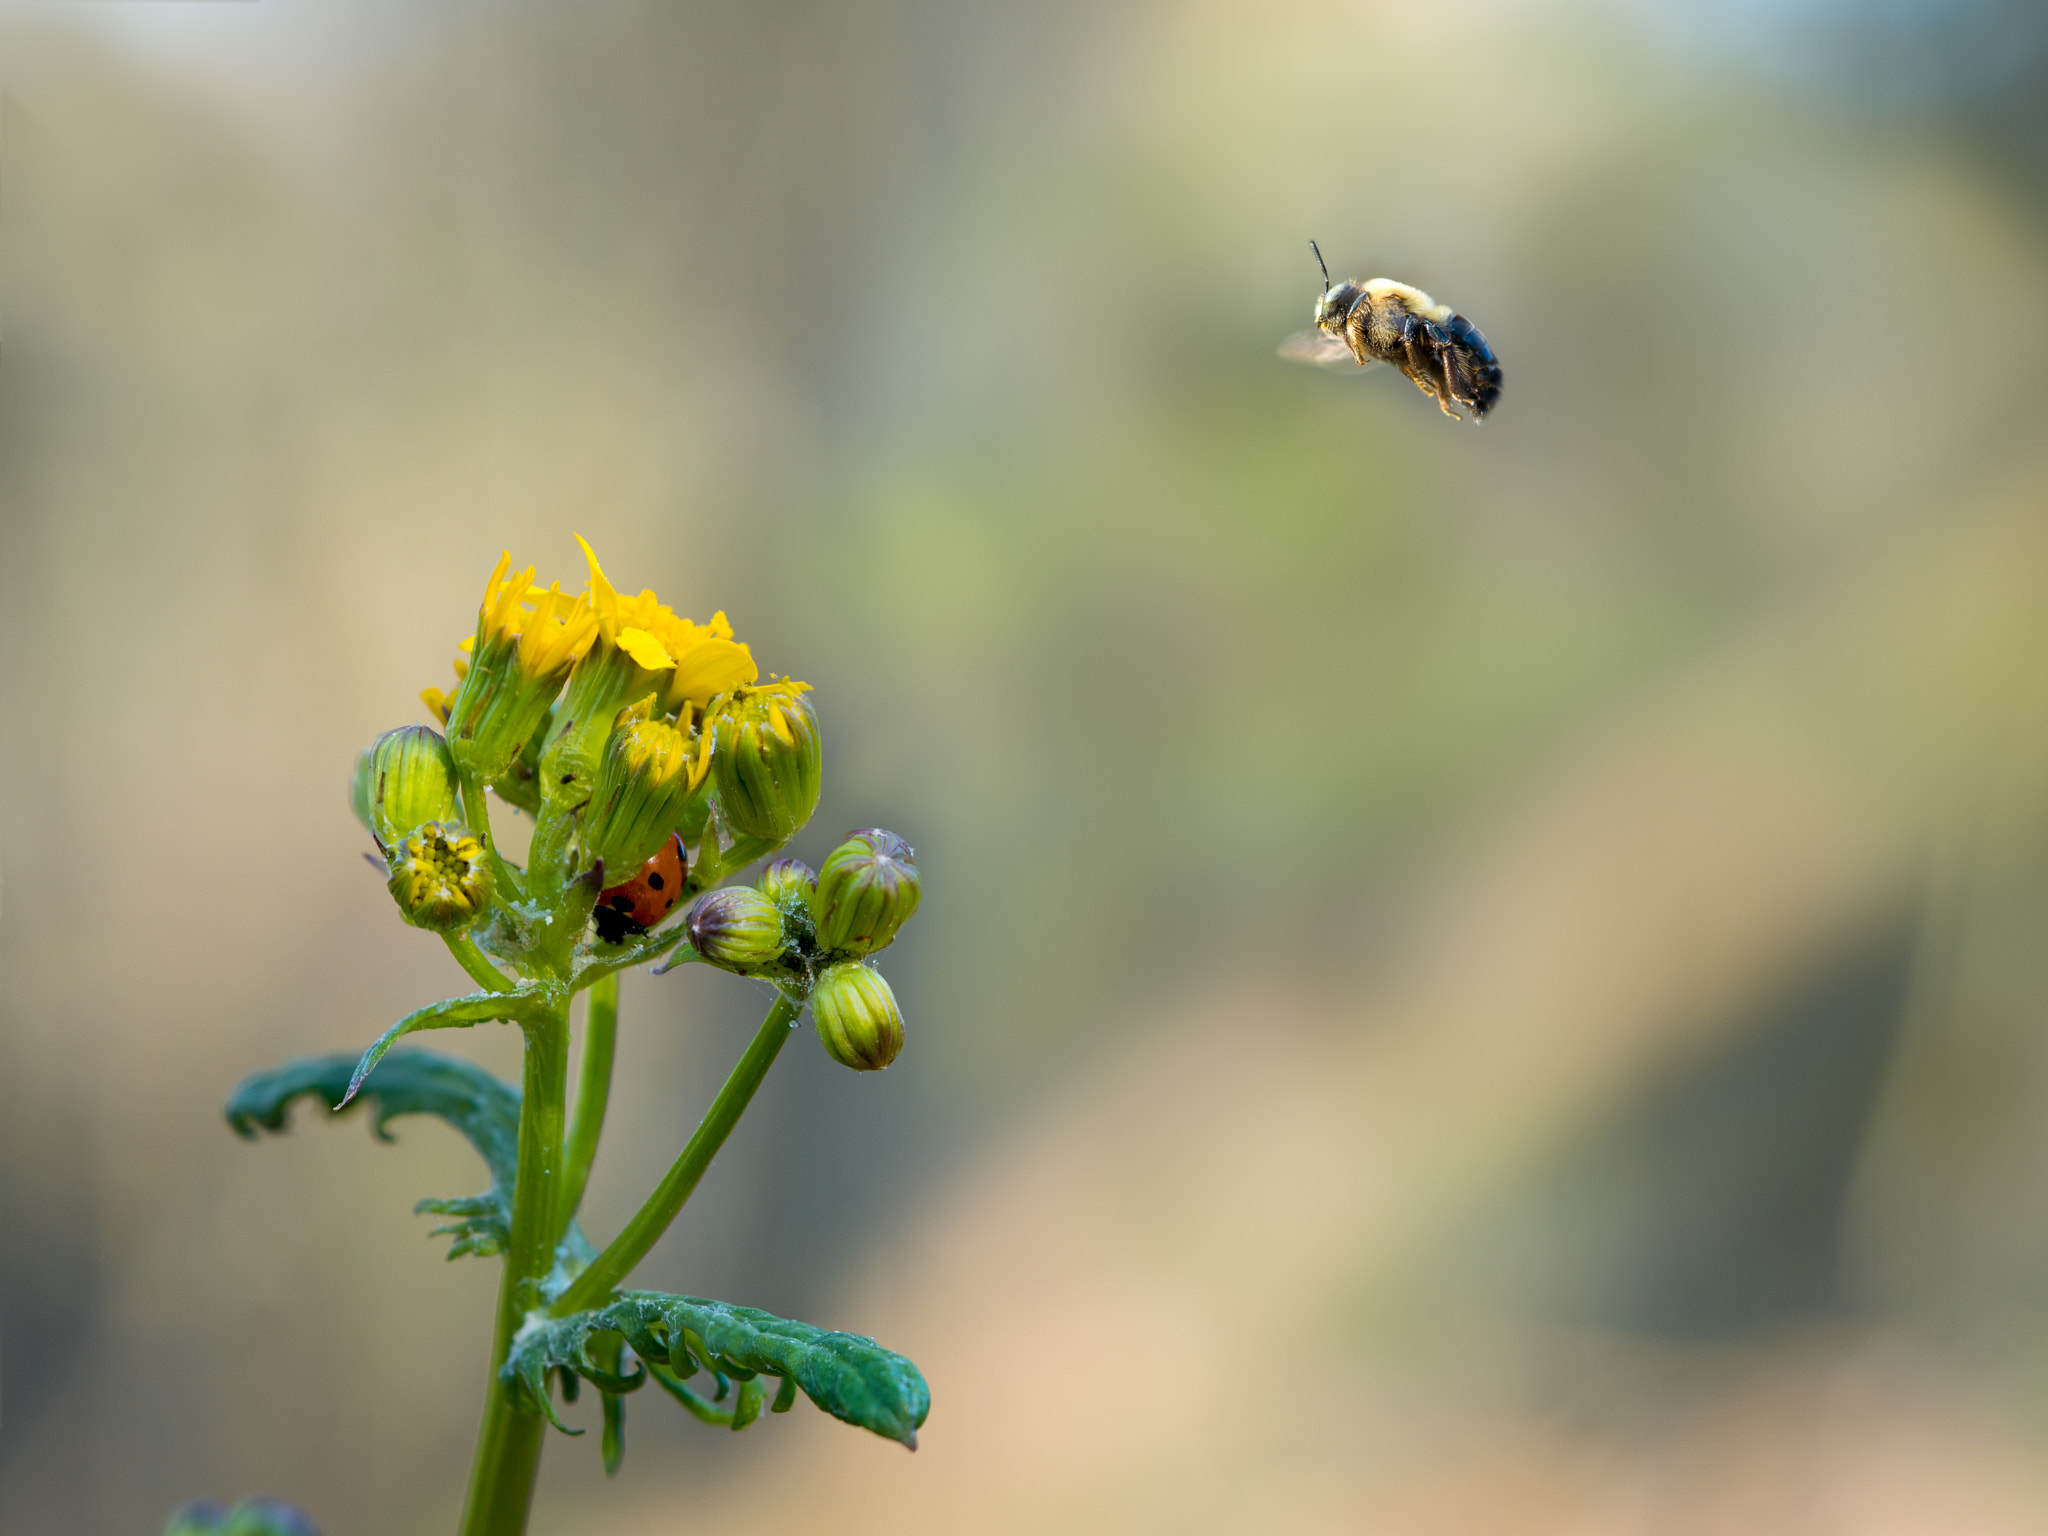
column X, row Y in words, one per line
column 1320, row 348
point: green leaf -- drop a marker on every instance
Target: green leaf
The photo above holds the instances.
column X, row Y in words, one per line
column 848, row 1375
column 451, row 1013
column 460, row 1092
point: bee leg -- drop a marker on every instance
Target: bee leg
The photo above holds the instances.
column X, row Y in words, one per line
column 1429, row 378
column 1452, row 372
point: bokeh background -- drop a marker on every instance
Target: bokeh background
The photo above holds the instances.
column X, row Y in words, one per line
column 1473, row 980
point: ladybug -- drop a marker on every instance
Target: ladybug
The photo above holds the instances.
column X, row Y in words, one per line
column 636, row 905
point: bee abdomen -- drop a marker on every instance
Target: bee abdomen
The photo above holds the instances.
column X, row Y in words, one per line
column 1476, row 362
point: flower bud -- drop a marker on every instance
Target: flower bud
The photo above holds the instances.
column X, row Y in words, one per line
column 528, row 639
column 866, row 891
column 438, row 876
column 768, row 758
column 857, row 1016
column 649, row 771
column 411, row 782
column 359, row 788
column 790, row 884
column 737, row 928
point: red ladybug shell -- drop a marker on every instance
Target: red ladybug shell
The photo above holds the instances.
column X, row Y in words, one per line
column 636, row 905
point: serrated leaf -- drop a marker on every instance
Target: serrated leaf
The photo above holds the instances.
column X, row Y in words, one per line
column 483, row 1109
column 848, row 1375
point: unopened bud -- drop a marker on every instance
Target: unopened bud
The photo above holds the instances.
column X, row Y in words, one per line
column 790, row 884
column 767, row 760
column 737, row 928
column 649, row 771
column 359, row 788
column 438, row 876
column 411, row 782
column 857, row 1016
column 866, row 891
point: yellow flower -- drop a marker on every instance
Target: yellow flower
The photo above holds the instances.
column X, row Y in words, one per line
column 705, row 658
column 709, row 662
column 550, row 629
column 642, row 626
column 528, row 639
column 639, row 641
column 546, row 629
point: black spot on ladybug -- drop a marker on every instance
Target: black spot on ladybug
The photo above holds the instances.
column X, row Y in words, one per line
column 615, row 927
column 622, row 903
column 656, row 881
column 568, row 778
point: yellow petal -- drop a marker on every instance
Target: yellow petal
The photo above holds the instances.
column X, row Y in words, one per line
column 711, row 667
column 645, row 649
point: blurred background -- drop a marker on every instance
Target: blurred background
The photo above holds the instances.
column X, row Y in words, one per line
column 1473, row 979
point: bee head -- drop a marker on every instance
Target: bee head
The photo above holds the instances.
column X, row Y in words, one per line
column 1336, row 304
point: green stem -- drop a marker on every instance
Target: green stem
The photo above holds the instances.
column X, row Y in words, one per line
column 477, row 963
column 476, row 810
column 612, row 1266
column 509, row 1440
column 593, row 1093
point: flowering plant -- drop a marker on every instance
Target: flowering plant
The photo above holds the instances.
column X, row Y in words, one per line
column 656, row 766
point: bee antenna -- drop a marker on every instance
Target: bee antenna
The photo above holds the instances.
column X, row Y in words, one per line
column 1321, row 263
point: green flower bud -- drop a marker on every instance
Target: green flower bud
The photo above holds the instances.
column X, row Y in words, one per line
column 650, row 770
column 438, row 876
column 768, row 760
column 737, row 928
column 359, row 788
column 412, row 782
column 790, row 884
column 857, row 1016
column 866, row 891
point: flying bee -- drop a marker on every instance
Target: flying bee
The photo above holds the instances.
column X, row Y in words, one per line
column 1382, row 321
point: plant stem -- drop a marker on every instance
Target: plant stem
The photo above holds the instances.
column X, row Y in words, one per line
column 477, row 963
column 593, row 1093
column 612, row 1266
column 476, row 809
column 509, row 1440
